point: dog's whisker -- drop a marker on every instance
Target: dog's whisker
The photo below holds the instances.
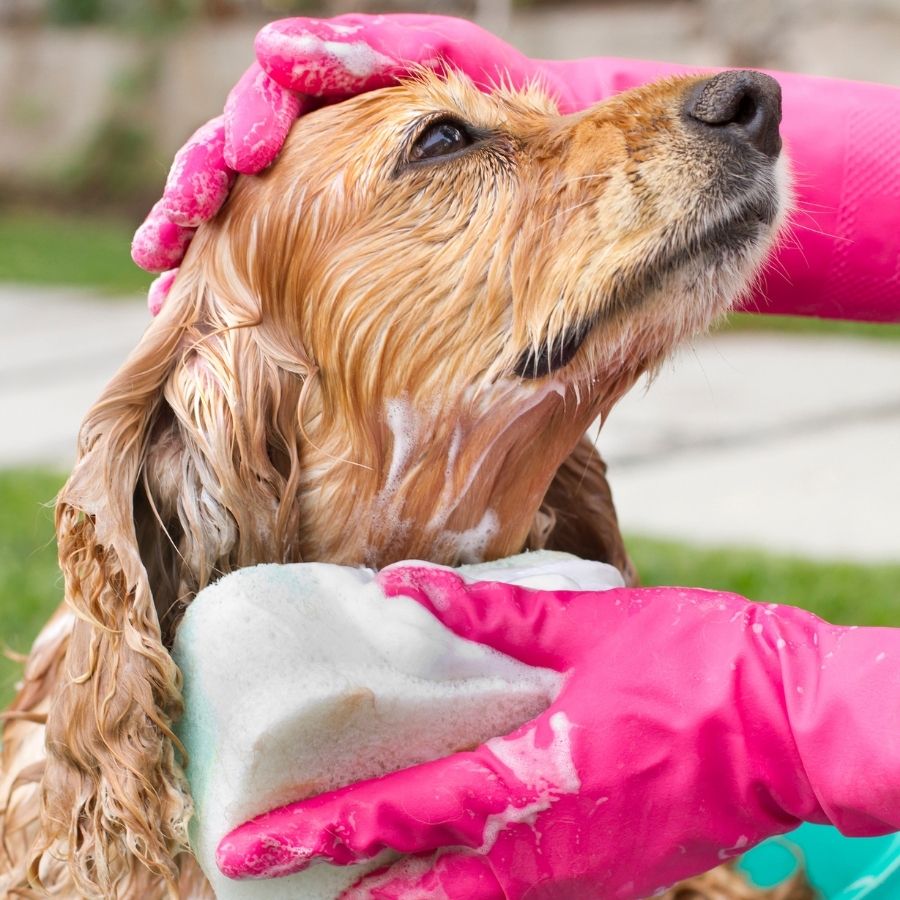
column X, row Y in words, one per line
column 563, row 212
column 827, row 234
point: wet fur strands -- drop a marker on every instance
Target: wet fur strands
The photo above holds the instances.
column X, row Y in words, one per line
column 372, row 353
column 725, row 883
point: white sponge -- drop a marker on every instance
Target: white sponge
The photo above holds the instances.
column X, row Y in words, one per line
column 303, row 678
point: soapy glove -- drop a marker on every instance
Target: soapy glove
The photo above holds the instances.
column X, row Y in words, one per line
column 302, row 63
column 841, row 260
column 691, row 725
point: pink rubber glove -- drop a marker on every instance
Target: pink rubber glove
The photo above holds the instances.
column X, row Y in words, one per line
column 692, row 725
column 309, row 58
column 842, row 260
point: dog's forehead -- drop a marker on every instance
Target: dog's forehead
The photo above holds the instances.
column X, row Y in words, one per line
column 497, row 105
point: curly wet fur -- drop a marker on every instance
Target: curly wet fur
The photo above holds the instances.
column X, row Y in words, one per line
column 726, row 883
column 333, row 377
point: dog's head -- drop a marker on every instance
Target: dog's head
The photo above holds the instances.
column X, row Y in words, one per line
column 458, row 283
column 382, row 348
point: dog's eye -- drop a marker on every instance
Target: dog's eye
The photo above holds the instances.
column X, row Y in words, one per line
column 440, row 139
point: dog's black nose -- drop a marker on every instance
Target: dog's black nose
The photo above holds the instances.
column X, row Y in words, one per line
column 739, row 106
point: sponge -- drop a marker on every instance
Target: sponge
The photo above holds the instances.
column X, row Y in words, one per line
column 300, row 679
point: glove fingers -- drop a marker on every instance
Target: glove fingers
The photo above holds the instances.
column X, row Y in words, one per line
column 259, row 113
column 449, row 801
column 159, row 244
column 200, row 179
column 159, row 290
column 339, row 57
column 530, row 625
column 355, row 53
column 322, row 59
column 454, row 876
column 319, row 58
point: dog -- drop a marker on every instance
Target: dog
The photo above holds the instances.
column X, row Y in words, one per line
column 389, row 345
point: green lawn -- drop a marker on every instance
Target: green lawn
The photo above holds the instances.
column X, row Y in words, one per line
column 842, row 592
column 30, row 582
column 30, row 586
column 802, row 325
column 79, row 251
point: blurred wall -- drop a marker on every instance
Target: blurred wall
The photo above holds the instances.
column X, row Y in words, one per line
column 56, row 87
column 80, row 102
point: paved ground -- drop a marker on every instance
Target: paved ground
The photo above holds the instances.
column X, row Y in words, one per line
column 789, row 443
column 58, row 348
column 786, row 442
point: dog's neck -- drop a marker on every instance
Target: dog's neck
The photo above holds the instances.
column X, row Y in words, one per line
column 452, row 483
column 258, row 455
column 444, row 483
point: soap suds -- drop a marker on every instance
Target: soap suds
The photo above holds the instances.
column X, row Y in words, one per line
column 740, row 845
column 470, row 546
column 356, row 58
column 547, row 771
column 512, row 400
column 512, row 815
column 404, row 426
column 410, row 868
column 542, row 769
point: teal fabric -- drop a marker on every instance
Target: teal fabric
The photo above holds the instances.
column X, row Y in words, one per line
column 840, row 868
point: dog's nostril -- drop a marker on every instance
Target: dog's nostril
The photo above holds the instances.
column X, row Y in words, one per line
column 741, row 106
column 746, row 111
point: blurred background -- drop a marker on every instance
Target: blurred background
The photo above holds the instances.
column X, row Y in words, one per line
column 763, row 460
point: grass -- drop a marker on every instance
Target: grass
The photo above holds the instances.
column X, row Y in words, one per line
column 30, row 585
column 78, row 251
column 841, row 592
column 803, row 325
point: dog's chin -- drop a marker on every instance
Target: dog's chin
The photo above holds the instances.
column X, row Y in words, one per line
column 705, row 280
column 701, row 270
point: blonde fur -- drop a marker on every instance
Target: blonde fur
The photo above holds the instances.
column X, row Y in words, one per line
column 338, row 375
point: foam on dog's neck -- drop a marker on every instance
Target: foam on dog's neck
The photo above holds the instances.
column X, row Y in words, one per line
column 462, row 522
column 302, row 678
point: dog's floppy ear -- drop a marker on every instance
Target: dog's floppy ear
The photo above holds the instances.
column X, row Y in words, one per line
column 113, row 791
column 578, row 515
column 189, row 467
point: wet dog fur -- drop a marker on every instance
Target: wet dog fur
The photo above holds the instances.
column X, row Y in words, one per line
column 370, row 354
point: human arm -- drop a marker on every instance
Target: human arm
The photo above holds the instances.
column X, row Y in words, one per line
column 692, row 725
column 841, row 258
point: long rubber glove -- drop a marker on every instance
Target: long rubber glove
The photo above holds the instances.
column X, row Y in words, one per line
column 841, row 259
column 690, row 721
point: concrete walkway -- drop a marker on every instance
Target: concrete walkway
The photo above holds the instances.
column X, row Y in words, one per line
column 790, row 443
column 58, row 348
